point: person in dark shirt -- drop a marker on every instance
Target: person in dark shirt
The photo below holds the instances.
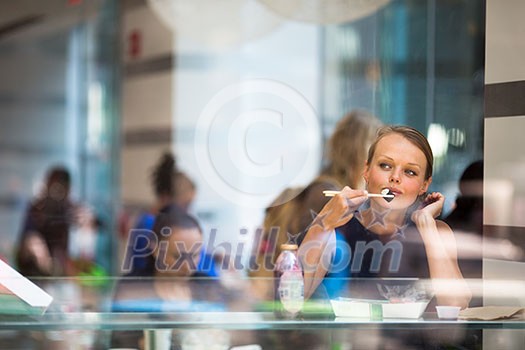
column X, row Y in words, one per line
column 44, row 242
column 466, row 219
column 171, row 187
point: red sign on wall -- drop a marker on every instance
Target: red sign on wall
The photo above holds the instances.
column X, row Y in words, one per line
column 134, row 43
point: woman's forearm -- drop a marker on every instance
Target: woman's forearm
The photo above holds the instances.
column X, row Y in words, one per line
column 313, row 252
column 314, row 255
column 449, row 286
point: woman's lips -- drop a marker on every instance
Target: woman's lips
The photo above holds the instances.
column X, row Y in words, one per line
column 388, row 195
column 393, row 191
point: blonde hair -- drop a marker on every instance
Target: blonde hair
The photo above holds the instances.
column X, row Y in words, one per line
column 347, row 147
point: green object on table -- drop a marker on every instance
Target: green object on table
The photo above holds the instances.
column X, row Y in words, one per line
column 96, row 276
column 311, row 308
column 376, row 312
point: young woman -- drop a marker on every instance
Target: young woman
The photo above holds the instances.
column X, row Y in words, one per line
column 397, row 238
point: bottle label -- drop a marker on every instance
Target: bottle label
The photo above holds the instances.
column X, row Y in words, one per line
column 291, row 291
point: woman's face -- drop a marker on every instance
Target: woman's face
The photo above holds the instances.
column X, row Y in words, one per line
column 397, row 165
column 179, row 253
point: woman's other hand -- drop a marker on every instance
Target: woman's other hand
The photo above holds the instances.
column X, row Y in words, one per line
column 431, row 207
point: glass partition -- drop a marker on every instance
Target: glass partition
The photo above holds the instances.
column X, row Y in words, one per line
column 246, row 95
column 417, row 63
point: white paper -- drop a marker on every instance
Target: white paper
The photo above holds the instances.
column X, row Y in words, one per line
column 23, row 287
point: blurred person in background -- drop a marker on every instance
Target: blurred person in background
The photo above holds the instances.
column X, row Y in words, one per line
column 466, row 220
column 172, row 187
column 467, row 214
column 185, row 191
column 44, row 243
column 170, row 279
column 291, row 212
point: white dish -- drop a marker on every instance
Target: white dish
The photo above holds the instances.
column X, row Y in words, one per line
column 448, row 312
column 412, row 310
column 362, row 308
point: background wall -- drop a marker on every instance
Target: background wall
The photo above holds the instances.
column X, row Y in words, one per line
column 147, row 89
column 504, row 188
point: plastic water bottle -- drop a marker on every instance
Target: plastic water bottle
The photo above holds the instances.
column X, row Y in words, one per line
column 289, row 283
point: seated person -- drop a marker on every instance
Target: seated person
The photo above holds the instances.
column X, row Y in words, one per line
column 400, row 160
column 43, row 248
column 389, row 239
column 171, row 187
column 163, row 283
column 466, row 219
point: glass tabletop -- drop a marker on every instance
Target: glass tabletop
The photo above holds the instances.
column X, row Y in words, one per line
column 116, row 303
column 230, row 320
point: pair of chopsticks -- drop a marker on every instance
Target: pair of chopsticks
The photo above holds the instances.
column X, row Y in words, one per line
column 333, row 193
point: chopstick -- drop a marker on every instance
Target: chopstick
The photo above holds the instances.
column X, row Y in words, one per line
column 328, row 193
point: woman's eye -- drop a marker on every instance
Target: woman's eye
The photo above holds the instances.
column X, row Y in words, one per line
column 384, row 166
column 411, row 172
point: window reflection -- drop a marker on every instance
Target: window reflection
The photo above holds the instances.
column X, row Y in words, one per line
column 106, row 98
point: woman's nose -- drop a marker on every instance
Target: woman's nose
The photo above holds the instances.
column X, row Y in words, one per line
column 394, row 177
